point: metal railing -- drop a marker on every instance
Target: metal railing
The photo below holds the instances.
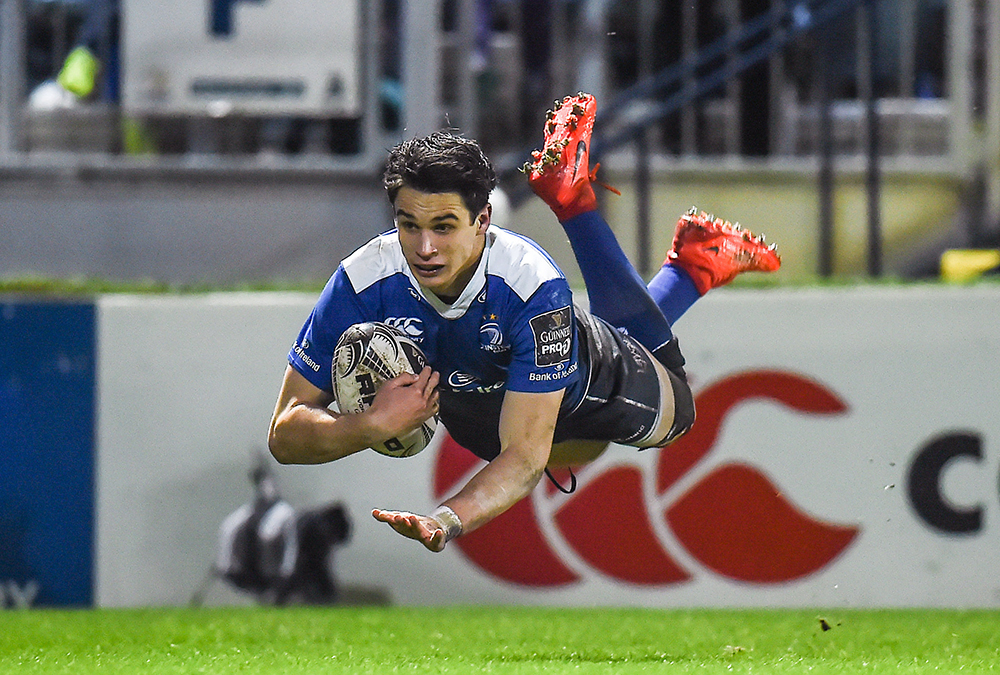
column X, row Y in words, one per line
column 925, row 106
column 626, row 119
column 484, row 89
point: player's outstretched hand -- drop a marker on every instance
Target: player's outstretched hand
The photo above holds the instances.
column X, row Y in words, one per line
column 424, row 529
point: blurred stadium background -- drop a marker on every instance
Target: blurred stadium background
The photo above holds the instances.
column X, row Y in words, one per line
column 227, row 144
column 865, row 142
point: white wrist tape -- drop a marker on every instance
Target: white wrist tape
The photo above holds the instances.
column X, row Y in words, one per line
column 449, row 522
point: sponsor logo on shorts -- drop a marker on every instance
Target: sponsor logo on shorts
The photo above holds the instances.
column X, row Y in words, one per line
column 553, row 333
column 638, row 356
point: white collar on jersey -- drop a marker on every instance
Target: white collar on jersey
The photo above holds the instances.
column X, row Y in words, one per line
column 469, row 293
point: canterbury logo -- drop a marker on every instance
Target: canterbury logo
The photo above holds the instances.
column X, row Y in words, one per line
column 733, row 521
column 411, row 327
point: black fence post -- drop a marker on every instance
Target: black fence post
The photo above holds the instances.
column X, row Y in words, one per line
column 642, row 197
column 826, row 176
column 874, row 178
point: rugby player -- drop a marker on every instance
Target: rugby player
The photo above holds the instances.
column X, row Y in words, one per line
column 520, row 375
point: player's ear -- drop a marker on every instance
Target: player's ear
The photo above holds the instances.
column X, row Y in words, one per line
column 483, row 219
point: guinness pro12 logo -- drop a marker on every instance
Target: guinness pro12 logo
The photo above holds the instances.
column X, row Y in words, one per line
column 553, row 333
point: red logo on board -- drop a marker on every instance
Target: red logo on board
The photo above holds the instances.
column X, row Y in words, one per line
column 734, row 521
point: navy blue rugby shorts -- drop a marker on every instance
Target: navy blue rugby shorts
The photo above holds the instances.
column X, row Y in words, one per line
column 620, row 404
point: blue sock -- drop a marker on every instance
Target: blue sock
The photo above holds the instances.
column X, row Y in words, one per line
column 617, row 293
column 674, row 291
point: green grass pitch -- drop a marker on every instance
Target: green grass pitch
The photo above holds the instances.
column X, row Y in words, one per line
column 497, row 640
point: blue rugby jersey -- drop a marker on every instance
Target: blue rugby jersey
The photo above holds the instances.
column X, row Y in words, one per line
column 513, row 327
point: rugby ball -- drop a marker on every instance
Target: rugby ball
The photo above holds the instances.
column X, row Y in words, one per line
column 366, row 357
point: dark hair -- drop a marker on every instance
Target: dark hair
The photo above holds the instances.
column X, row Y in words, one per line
column 441, row 162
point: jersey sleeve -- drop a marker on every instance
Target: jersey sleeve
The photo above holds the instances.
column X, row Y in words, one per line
column 337, row 309
column 544, row 348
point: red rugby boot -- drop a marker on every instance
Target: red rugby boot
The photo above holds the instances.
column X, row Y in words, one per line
column 713, row 251
column 560, row 172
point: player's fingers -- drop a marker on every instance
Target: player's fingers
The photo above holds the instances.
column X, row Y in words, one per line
column 390, row 517
column 425, row 383
column 424, row 376
column 434, row 381
column 402, row 380
column 431, row 386
column 404, row 526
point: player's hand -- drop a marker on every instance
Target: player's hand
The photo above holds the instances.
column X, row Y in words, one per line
column 424, row 529
column 405, row 402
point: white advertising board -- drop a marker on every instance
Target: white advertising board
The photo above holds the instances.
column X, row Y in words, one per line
column 846, row 453
column 261, row 57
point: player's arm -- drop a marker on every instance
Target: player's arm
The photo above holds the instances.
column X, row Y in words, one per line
column 305, row 431
column 527, row 423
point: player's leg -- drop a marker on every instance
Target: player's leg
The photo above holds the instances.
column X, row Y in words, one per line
column 560, row 174
column 707, row 252
column 635, row 400
column 616, row 291
column 676, row 406
column 677, row 412
column 673, row 290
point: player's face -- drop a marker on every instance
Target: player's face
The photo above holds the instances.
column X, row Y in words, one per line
column 441, row 239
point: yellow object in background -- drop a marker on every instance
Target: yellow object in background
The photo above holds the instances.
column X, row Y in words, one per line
column 958, row 265
column 79, row 72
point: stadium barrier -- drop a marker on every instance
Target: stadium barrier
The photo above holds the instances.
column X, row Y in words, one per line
column 845, row 454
